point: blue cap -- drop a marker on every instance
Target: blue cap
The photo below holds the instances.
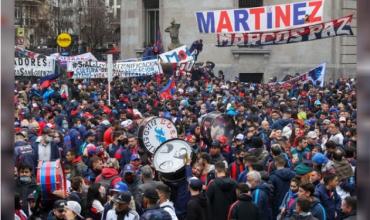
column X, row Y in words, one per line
column 319, row 158
column 195, row 183
column 128, row 168
column 120, row 187
column 135, row 157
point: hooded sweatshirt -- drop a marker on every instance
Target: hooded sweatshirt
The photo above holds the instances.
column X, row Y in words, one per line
column 261, row 198
column 280, row 179
column 197, row 207
column 108, row 173
column 243, row 209
column 221, row 194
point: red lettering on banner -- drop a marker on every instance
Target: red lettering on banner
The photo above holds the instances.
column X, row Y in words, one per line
column 317, row 5
column 280, row 16
column 224, row 22
column 257, row 14
column 315, row 29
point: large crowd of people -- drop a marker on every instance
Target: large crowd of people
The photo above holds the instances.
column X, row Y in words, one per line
column 292, row 156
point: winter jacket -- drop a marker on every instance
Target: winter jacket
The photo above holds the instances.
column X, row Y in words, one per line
column 306, row 216
column 243, row 209
column 221, row 194
column 79, row 168
column 302, row 154
column 54, row 151
column 24, row 154
column 343, row 169
column 289, row 203
column 155, row 213
column 280, row 179
column 235, row 169
column 261, row 198
column 180, row 196
column 330, row 200
column 197, row 207
column 168, row 206
column 350, row 216
column 143, row 187
column 108, row 177
column 131, row 215
column 317, row 210
column 24, row 189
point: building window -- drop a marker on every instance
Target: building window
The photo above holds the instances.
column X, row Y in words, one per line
column 151, row 21
column 250, row 3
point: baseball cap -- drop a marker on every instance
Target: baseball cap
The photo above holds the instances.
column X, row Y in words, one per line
column 151, row 193
column 195, row 183
column 312, row 134
column 319, row 158
column 74, row 207
column 216, row 144
column 124, row 197
column 128, row 168
column 342, row 119
column 60, row 204
column 126, row 123
column 326, row 121
column 239, row 137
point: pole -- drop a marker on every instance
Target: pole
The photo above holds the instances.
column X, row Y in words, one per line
column 110, row 73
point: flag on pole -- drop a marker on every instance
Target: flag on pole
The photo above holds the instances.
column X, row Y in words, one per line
column 317, row 75
column 169, row 90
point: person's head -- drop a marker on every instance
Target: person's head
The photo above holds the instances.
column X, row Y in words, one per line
column 112, row 163
column 265, row 125
column 25, row 173
column 239, row 154
column 215, row 148
column 96, row 163
column 331, row 181
column 279, row 162
column 132, row 141
column 146, row 173
column 276, row 150
column 338, row 155
column 312, row 137
column 242, row 188
column 204, row 159
column 303, row 205
column 315, row 176
column 76, row 183
column 72, row 210
column 59, row 209
column 349, row 205
column 220, row 168
column 306, row 190
column 150, row 197
column 294, row 184
column 122, row 201
column 333, row 129
column 252, row 130
column 164, row 192
column 253, row 179
column 302, row 143
column 70, row 155
column 129, row 173
column 195, row 185
column 96, row 191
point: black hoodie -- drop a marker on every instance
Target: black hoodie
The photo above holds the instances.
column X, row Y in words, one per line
column 221, row 194
column 243, row 209
column 197, row 207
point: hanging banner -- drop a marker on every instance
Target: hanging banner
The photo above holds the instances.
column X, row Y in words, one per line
column 261, row 19
column 82, row 57
column 136, row 69
column 38, row 67
column 337, row 27
column 92, row 69
column 180, row 54
column 316, row 76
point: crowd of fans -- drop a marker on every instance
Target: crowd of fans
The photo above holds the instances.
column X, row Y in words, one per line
column 293, row 155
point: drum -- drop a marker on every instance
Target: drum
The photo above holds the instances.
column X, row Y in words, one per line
column 50, row 177
column 154, row 131
column 216, row 124
column 170, row 159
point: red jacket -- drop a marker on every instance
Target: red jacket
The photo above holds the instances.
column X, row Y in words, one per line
column 109, row 172
column 108, row 136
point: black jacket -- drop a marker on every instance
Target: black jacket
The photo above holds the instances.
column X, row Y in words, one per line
column 24, row 189
column 280, row 179
column 243, row 209
column 300, row 217
column 197, row 208
column 221, row 194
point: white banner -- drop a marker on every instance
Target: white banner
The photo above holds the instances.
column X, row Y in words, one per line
column 82, row 57
column 39, row 67
column 178, row 55
column 92, row 69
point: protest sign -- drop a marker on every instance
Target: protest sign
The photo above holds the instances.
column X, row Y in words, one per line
column 38, row 67
column 87, row 69
column 261, row 19
column 136, row 69
column 82, row 57
column 337, row 27
column 180, row 54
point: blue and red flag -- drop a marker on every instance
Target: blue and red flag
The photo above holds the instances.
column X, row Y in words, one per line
column 169, row 90
column 46, row 81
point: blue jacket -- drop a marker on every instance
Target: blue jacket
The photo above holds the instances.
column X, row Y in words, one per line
column 261, row 198
column 24, row 154
column 331, row 204
column 242, row 178
column 155, row 213
column 280, row 179
column 289, row 208
column 318, row 210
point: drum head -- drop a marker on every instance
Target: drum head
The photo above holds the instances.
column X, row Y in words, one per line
column 155, row 131
column 171, row 156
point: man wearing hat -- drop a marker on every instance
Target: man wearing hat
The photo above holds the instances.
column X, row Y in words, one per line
column 311, row 139
column 197, row 205
column 72, row 211
column 121, row 208
column 152, row 209
column 215, row 153
column 58, row 212
column 132, row 180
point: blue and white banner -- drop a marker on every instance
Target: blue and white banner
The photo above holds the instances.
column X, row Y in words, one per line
column 38, row 67
column 317, row 75
column 178, row 55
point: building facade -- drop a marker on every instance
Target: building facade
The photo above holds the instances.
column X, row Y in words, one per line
column 140, row 19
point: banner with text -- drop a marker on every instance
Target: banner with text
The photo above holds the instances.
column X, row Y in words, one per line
column 261, row 19
column 178, row 55
column 38, row 67
column 337, row 27
column 92, row 69
column 82, row 57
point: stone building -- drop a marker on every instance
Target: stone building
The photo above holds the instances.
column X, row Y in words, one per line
column 141, row 18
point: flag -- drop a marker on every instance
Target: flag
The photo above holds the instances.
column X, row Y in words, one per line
column 317, row 75
column 158, row 41
column 46, row 81
column 169, row 90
